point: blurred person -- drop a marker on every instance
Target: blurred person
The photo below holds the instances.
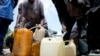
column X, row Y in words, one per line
column 32, row 13
column 70, row 11
column 6, row 17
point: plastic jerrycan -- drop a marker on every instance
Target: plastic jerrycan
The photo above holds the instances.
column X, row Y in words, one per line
column 36, row 49
column 39, row 33
column 22, row 42
column 70, row 48
column 52, row 47
column 37, row 36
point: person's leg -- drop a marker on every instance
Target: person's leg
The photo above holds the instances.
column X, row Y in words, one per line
column 82, row 45
column 9, row 42
column 3, row 29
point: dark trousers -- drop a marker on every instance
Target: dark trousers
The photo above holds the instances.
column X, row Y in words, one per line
column 4, row 24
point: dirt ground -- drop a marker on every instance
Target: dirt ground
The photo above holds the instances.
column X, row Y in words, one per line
column 7, row 52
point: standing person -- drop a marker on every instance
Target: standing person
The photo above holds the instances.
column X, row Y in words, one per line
column 64, row 17
column 77, row 10
column 70, row 11
column 6, row 17
column 31, row 14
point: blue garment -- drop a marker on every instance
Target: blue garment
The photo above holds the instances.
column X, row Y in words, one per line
column 6, row 16
column 6, row 9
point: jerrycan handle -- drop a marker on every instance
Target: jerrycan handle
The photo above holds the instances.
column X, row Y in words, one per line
column 35, row 27
column 69, row 41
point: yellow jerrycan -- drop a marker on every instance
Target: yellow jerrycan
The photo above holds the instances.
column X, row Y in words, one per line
column 52, row 46
column 70, row 48
column 39, row 33
column 36, row 49
column 22, row 42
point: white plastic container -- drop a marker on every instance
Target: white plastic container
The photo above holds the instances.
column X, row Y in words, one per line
column 70, row 49
column 52, row 47
column 39, row 34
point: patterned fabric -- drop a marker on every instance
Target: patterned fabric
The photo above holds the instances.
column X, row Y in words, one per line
column 6, row 9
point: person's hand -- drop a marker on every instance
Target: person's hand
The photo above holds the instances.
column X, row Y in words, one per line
column 1, row 2
column 64, row 28
column 16, row 28
column 38, row 26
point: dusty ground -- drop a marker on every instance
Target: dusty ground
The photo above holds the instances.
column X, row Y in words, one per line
column 7, row 52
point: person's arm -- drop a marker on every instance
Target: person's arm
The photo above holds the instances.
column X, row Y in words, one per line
column 18, row 16
column 42, row 16
column 17, row 21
